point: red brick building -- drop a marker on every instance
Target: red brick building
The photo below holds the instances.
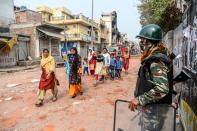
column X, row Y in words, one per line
column 27, row 16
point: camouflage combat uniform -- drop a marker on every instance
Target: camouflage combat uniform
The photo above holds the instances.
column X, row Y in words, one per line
column 158, row 72
column 154, row 79
column 154, row 84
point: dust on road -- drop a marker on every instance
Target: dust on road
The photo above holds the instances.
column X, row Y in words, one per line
column 91, row 112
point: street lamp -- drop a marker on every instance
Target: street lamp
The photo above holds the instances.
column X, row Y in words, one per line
column 92, row 28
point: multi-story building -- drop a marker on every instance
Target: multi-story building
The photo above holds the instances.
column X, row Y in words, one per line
column 103, row 35
column 124, row 39
column 13, row 47
column 43, row 35
column 78, row 27
column 110, row 20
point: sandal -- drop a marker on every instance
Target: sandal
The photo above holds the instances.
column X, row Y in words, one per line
column 39, row 104
column 74, row 96
column 54, row 99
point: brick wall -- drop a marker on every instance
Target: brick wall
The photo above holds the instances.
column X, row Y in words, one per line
column 28, row 16
column 20, row 17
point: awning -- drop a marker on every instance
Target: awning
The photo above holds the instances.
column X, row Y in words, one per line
column 55, row 35
column 7, row 45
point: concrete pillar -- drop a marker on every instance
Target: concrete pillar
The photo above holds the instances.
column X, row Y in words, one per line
column 60, row 48
column 79, row 48
column 50, row 45
column 37, row 50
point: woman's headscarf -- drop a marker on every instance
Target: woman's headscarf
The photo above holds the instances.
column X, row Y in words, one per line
column 48, row 63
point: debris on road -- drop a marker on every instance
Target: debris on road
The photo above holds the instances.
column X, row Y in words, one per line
column 18, row 111
column 8, row 99
column 13, row 85
column 35, row 80
column 76, row 103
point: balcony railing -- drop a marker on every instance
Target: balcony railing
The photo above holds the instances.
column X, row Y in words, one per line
column 76, row 17
column 58, row 18
column 78, row 37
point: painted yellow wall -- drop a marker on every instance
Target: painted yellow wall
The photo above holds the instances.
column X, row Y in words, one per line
column 72, row 29
column 77, row 29
column 83, row 29
column 59, row 12
column 61, row 15
column 46, row 16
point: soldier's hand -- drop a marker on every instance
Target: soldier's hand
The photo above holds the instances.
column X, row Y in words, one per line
column 133, row 104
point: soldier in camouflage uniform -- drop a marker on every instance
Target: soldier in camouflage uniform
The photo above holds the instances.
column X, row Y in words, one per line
column 154, row 79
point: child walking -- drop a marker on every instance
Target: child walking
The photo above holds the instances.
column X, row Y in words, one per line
column 100, row 71
column 112, row 66
column 85, row 66
column 118, row 66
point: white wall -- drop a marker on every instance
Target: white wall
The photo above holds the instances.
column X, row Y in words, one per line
column 6, row 12
column 108, row 23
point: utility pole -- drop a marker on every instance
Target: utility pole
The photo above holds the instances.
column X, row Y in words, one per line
column 92, row 28
column 65, row 39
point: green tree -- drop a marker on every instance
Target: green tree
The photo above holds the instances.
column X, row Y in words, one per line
column 161, row 12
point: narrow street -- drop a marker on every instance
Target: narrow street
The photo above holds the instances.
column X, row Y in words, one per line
column 91, row 112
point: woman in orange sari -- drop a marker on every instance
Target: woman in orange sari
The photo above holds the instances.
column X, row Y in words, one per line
column 75, row 73
column 48, row 78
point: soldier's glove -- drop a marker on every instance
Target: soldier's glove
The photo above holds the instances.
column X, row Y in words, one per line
column 133, row 104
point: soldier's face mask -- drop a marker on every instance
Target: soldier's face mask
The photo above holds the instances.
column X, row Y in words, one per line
column 145, row 45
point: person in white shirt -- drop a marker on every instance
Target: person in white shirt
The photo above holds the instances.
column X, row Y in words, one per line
column 106, row 62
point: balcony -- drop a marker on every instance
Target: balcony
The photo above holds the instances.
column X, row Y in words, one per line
column 44, row 9
column 78, row 37
column 76, row 19
column 63, row 9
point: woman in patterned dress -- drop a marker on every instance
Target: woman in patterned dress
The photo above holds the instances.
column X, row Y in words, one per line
column 75, row 73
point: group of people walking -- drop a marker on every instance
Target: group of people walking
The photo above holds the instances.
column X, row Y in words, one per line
column 49, row 79
column 98, row 64
column 107, row 64
column 154, row 83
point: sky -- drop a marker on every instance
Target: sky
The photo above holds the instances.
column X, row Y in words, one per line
column 128, row 16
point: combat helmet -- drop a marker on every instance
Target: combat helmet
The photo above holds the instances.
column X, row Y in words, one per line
column 151, row 32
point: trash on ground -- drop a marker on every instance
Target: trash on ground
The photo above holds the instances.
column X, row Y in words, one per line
column 76, row 103
column 13, row 85
column 8, row 99
column 35, row 80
